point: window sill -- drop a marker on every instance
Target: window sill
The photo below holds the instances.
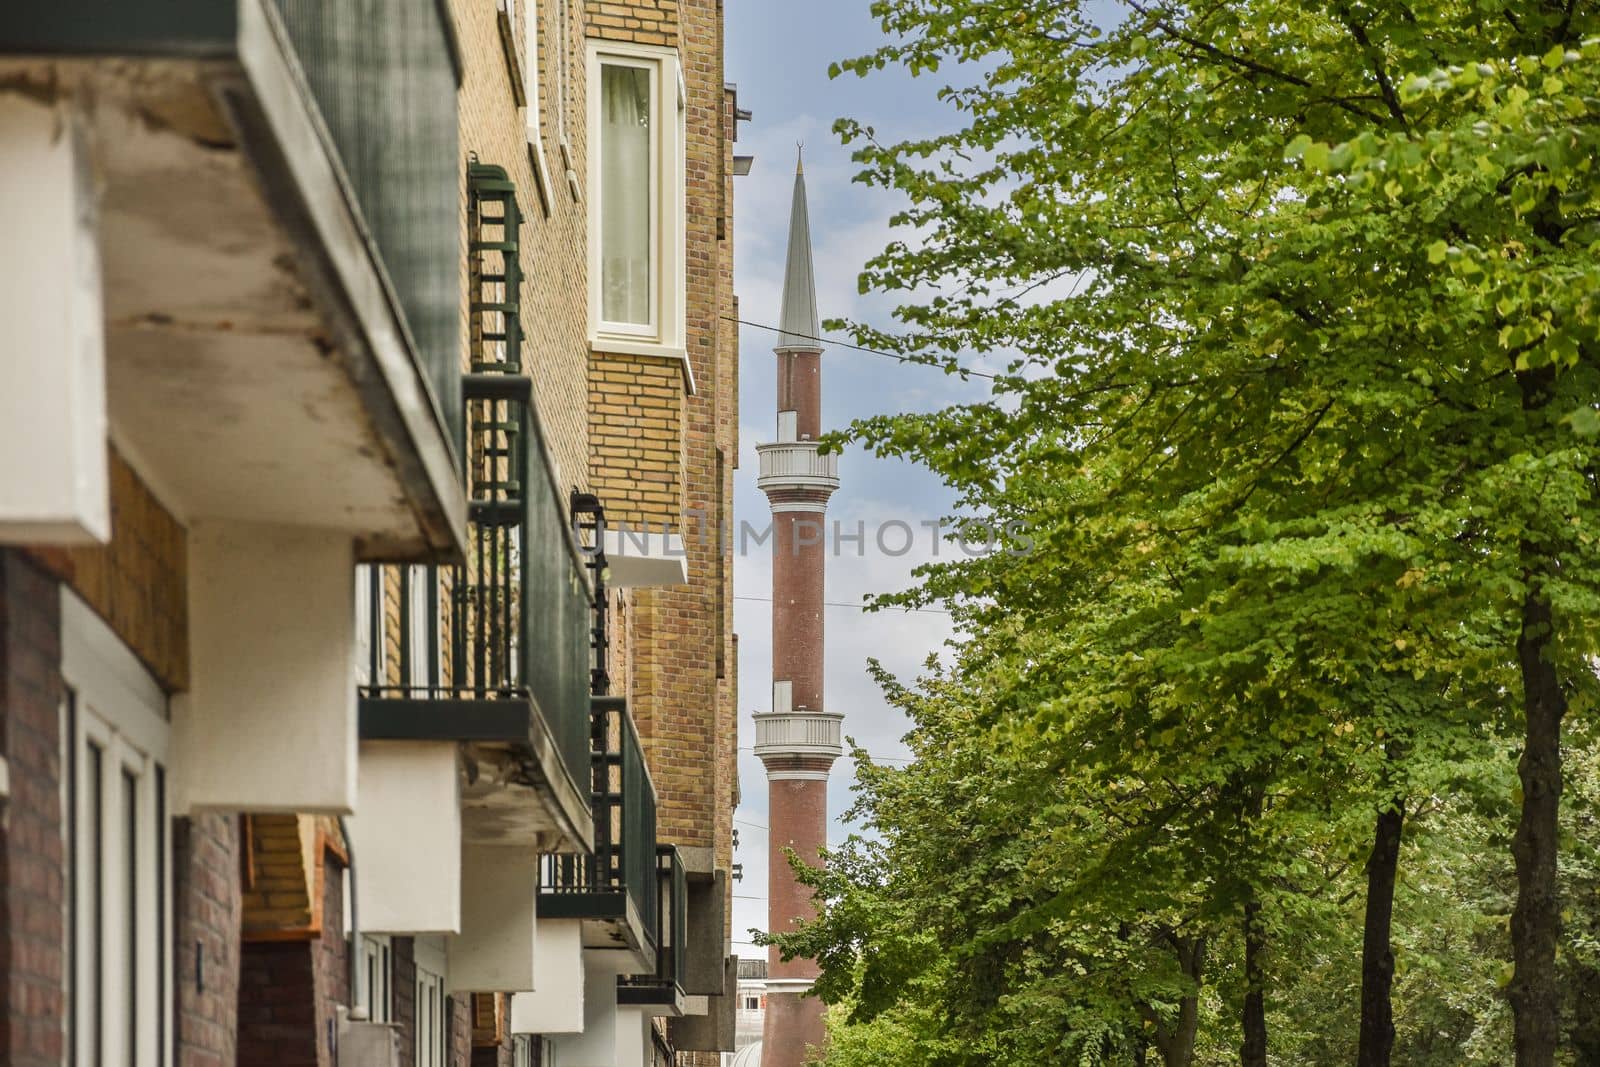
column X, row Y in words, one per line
column 632, row 346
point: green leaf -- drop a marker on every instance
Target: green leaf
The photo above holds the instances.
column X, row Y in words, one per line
column 1438, row 251
column 1584, row 421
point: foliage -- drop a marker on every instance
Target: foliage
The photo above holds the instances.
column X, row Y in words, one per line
column 1297, row 304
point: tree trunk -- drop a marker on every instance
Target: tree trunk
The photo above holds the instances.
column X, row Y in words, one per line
column 1253, row 1053
column 1176, row 1043
column 1536, row 919
column 1535, row 991
column 1377, row 954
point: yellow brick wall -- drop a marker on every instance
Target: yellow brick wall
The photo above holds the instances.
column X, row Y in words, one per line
column 138, row 583
column 553, row 255
column 679, row 637
column 641, row 21
column 636, row 438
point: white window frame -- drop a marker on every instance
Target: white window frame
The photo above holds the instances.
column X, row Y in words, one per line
column 431, row 1033
column 533, row 114
column 377, row 977
column 113, row 705
column 424, row 603
column 665, row 335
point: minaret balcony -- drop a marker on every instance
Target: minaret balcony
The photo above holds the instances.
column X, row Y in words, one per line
column 796, row 465
column 800, row 733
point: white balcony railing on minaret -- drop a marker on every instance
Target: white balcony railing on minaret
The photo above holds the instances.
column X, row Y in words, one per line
column 800, row 733
column 796, row 465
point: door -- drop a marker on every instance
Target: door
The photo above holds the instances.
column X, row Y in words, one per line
column 114, row 740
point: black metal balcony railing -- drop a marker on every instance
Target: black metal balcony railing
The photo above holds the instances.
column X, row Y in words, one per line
column 521, row 610
column 665, row 984
column 384, row 76
column 517, row 630
column 589, row 515
column 619, row 881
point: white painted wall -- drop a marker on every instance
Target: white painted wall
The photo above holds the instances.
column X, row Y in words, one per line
column 52, row 346
column 494, row 952
column 406, row 833
column 596, row 1046
column 634, row 1047
column 269, row 721
column 556, row 1004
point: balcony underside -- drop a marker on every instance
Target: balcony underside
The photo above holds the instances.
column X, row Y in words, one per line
column 665, row 998
column 258, row 367
column 613, row 930
column 517, row 789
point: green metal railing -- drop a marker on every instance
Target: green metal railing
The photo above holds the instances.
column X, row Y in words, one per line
column 522, row 610
column 383, row 74
column 665, row 984
column 622, row 869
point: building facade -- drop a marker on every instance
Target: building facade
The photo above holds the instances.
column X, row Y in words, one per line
column 798, row 739
column 349, row 712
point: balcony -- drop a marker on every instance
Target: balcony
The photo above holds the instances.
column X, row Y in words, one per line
column 796, row 465
column 273, row 309
column 663, row 988
column 497, row 653
column 799, row 733
column 615, row 890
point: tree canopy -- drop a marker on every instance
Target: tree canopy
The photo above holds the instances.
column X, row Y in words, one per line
column 1297, row 306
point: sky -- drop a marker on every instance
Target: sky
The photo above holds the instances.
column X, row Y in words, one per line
column 778, row 55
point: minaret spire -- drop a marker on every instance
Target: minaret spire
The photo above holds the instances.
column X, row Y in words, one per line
column 798, row 319
column 797, row 739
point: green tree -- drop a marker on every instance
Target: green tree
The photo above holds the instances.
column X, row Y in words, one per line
column 1299, row 308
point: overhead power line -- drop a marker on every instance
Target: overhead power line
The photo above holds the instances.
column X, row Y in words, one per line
column 835, row 343
column 858, row 607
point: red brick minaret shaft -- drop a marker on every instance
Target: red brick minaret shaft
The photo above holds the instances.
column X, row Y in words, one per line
column 797, row 739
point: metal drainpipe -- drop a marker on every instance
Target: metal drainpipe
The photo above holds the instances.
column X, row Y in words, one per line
column 357, row 1012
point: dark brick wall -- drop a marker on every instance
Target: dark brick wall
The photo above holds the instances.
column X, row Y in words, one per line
column 277, row 1018
column 461, row 1030
column 332, row 959
column 205, row 896
column 290, row 991
column 405, row 998
column 32, row 877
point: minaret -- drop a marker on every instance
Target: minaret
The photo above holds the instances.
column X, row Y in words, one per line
column 797, row 739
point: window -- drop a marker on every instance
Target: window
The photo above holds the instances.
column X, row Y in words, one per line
column 752, row 1003
column 369, row 626
column 422, row 619
column 114, row 732
column 377, row 977
column 629, row 172
column 636, row 199
column 431, row 1004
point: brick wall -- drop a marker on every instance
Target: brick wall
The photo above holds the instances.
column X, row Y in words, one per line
column 206, row 910
column 277, row 1016
column 290, row 988
column 278, row 897
column 461, row 1030
column 405, row 998
column 681, row 635
column 32, row 880
column 138, row 582
column 640, row 21
column 636, row 438
column 330, row 954
column 554, row 296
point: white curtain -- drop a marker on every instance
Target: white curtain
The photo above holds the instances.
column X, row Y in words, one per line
column 625, row 196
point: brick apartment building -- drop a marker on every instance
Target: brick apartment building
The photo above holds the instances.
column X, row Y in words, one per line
column 364, row 698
